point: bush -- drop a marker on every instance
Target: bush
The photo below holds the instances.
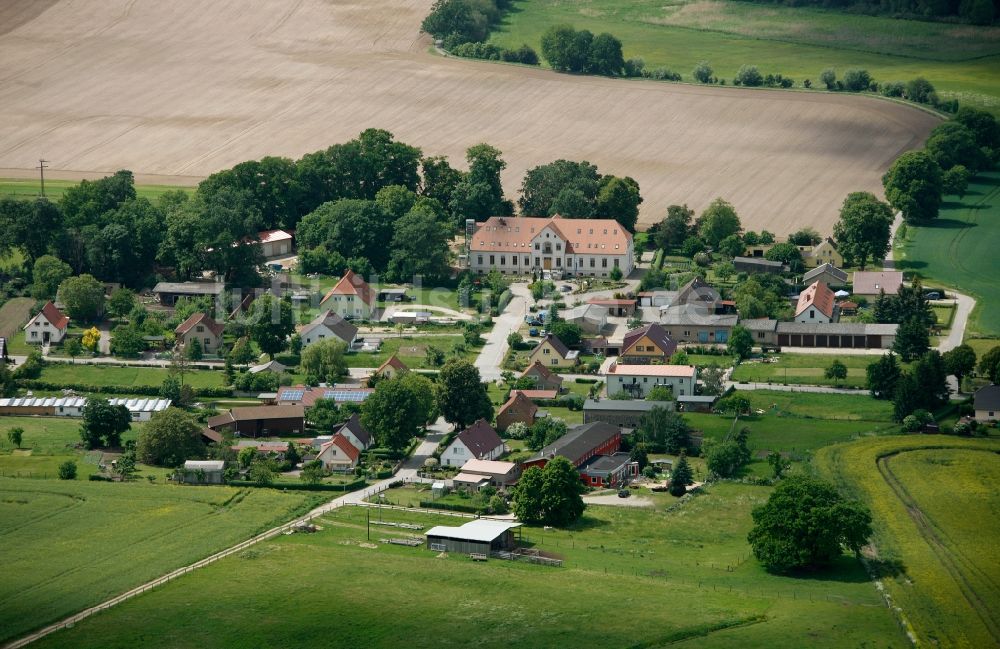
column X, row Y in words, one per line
column 748, row 75
column 67, row 470
column 892, row 89
column 702, row 72
column 486, row 51
column 662, row 74
column 524, row 54
column 857, row 80
column 634, row 67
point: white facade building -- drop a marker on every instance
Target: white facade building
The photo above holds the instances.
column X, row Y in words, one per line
column 638, row 380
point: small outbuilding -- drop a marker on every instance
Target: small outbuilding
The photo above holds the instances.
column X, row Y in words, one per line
column 203, row 472
column 481, row 536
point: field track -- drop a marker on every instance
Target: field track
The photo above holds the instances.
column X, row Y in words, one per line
column 950, row 558
column 174, row 91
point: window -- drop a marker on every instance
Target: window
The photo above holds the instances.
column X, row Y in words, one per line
column 760, row 334
column 558, row 246
column 503, row 260
column 458, row 450
column 616, row 262
column 527, row 261
column 537, row 261
column 546, row 350
column 200, row 329
column 592, row 262
column 812, row 313
column 492, row 260
column 208, row 342
column 604, row 262
column 555, row 362
column 558, row 262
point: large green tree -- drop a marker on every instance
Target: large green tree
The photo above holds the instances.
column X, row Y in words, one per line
column 462, row 395
column 912, row 339
column 740, row 342
column 349, row 227
column 479, row 195
column 420, row 247
column 989, row 365
column 618, row 198
column 397, row 409
column 675, row 227
column 960, row 362
column 718, row 221
column 805, row 525
column 169, row 438
column 47, row 274
column 883, row 375
column 913, row 185
column 864, row 228
column 103, row 423
column 83, row 297
column 680, row 476
column 323, row 361
column 952, row 143
column 663, row 430
column 552, row 495
column 270, row 322
column 543, row 184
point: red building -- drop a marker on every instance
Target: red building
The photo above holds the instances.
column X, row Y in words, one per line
column 580, row 445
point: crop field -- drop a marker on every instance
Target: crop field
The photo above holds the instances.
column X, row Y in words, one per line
column 934, row 502
column 54, row 189
column 678, row 577
column 962, row 61
column 69, row 545
column 208, row 86
column 806, row 369
column 959, row 250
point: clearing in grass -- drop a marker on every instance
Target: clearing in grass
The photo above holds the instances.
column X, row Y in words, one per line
column 958, row 249
column 934, row 501
column 126, row 376
column 805, row 369
column 54, row 188
column 631, row 578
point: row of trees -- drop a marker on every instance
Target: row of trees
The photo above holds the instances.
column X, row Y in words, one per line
column 569, row 50
column 463, row 21
column 977, row 12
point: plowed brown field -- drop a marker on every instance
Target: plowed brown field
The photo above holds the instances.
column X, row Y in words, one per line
column 183, row 88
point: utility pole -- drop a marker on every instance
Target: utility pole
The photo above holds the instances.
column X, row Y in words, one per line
column 41, row 171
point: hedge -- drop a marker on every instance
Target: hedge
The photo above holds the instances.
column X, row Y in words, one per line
column 350, row 486
column 143, row 390
column 431, row 504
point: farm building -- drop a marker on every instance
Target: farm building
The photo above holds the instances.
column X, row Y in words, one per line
column 869, row 284
column 169, row 292
column 843, row 335
column 260, row 421
column 479, row 441
column 579, row 445
column 263, row 447
column 986, row 403
column 481, row 536
column 697, row 402
column 621, row 308
column 351, row 297
column 758, row 265
column 580, row 247
column 625, row 414
column 276, row 243
column 392, row 294
column 648, row 344
column 496, row 473
column 518, row 408
column 656, row 298
column 545, row 379
column 609, row 470
column 140, row 409
column 697, row 322
column 828, row 274
column 638, row 380
column 589, row 317
column 203, row 472
column 307, row 395
column 47, row 327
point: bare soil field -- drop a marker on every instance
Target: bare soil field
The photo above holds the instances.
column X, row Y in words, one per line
column 177, row 90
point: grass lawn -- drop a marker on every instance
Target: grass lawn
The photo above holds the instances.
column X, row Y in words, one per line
column 934, row 502
column 130, row 375
column 69, row 545
column 798, row 42
column 805, row 369
column 54, row 189
column 982, row 345
column 959, row 250
column 680, row 577
column 412, row 350
column 13, row 315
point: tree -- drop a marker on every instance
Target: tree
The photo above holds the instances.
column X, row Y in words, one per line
column 733, row 246
column 960, row 362
column 618, row 199
column 737, row 404
column 527, row 495
column 740, row 342
column 932, row 379
column 542, row 186
column 462, row 395
column 246, row 456
column 804, row 237
column 664, row 430
column 169, row 438
column 883, row 375
column 261, row 473
column 397, row 409
column 270, row 323
column 615, row 274
column 680, row 476
column 15, row 436
column 748, row 75
column 912, row 339
column 639, row 456
column 564, row 49
column 121, row 302
column 864, row 228
column 605, row 55
column 569, row 334
column 562, row 501
column 312, row 472
column 350, row 228
column 479, row 195
column 67, row 470
column 83, row 297
column 47, row 274
column 420, row 247
column 914, row 186
column 702, row 72
column 989, row 365
column 675, row 228
column 660, row 393
column 724, row 459
column 984, row 126
column 829, row 78
column 91, row 339
column 103, row 424
column 857, row 80
column 836, row 371
column 718, row 221
column 955, row 181
column 906, row 397
column 8, row 384
column 711, row 378
column 127, row 342
column 805, row 525
column 439, row 178
column 193, row 350
column 778, row 464
column 545, row 431
column 323, row 361
column 951, row 144
column 786, row 253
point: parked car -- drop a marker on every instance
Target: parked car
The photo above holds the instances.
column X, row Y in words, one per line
column 533, row 331
column 566, row 288
column 624, row 493
column 932, row 295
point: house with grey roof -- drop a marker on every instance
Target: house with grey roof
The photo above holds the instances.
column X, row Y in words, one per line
column 986, row 403
column 479, row 441
column 758, row 265
column 328, row 325
column 844, row 335
column 622, row 413
column 828, row 274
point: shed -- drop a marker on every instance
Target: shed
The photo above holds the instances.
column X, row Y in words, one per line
column 481, row 536
column 203, row 472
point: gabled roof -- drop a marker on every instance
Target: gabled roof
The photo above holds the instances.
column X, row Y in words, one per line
column 819, row 296
column 759, row 324
column 270, row 366
column 202, row 319
column 338, row 326
column 655, row 332
column 582, row 236
column 825, row 268
column 537, row 394
column 308, row 396
column 352, row 284
column 250, row 413
column 672, row 371
column 54, row 316
column 541, row 371
column 578, row 442
column 480, row 438
column 354, row 425
column 270, row 236
column 520, row 400
column 697, row 291
column 488, row 467
column 344, row 444
column 393, row 362
column 871, row 282
column 987, row 398
column 556, row 344
column 757, row 261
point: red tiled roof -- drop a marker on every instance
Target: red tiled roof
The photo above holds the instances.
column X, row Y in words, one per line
column 352, row 284
column 199, row 318
column 344, row 445
column 537, row 394
column 270, row 236
column 582, row 236
column 392, row 361
column 55, row 316
column 541, row 370
column 518, row 398
column 817, row 295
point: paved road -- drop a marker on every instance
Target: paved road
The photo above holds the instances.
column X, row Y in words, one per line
column 963, row 307
column 491, row 356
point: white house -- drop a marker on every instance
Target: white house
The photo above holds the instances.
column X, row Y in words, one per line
column 47, row 327
column 328, row 325
column 352, row 297
column 355, row 433
column 816, row 305
column 477, row 442
column 638, row 380
column 574, row 247
column 338, row 454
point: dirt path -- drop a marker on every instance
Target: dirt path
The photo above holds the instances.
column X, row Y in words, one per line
column 179, row 90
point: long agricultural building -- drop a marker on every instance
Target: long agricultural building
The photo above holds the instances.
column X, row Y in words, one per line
column 140, row 409
column 519, row 245
column 844, row 335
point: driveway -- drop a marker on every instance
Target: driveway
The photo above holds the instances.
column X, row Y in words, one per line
column 614, row 501
column 491, row 356
column 963, row 307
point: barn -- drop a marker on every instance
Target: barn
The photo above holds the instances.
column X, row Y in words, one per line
column 481, row 536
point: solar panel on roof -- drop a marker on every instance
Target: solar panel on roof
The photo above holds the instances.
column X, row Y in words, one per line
column 347, row 395
column 292, row 395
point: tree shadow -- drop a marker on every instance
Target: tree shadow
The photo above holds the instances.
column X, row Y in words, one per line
column 883, row 568
column 845, row 569
column 910, row 264
column 992, row 180
column 952, row 224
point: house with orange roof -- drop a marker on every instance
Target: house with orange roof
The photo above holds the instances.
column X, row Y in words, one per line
column 391, row 368
column 338, row 454
column 352, row 298
column 638, row 380
column 275, row 243
column 573, row 247
column 545, row 379
column 48, row 327
column 519, row 408
column 202, row 328
column 816, row 304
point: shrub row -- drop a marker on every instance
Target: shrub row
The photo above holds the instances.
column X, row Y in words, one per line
column 490, row 52
column 431, row 504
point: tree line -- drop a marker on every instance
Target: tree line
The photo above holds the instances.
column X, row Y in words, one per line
column 463, row 26
column 976, row 12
